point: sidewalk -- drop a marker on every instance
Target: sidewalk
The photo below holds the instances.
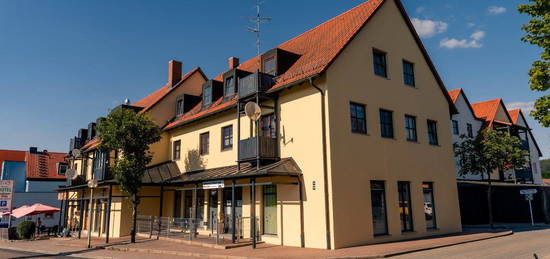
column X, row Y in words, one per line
column 120, row 248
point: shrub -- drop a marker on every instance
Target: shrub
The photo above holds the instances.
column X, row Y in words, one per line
column 26, row 229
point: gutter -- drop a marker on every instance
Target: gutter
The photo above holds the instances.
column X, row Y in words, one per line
column 325, row 167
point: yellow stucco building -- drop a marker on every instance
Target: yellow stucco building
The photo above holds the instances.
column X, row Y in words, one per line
column 351, row 145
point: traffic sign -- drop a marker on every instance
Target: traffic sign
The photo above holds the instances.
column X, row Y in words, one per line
column 528, row 197
column 528, row 191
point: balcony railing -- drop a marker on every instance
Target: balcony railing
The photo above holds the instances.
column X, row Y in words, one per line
column 254, row 83
column 248, row 147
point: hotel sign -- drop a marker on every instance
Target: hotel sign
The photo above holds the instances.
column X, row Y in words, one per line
column 213, row 185
column 6, row 195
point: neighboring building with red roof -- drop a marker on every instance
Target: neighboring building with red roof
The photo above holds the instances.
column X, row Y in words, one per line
column 36, row 175
column 350, row 112
column 493, row 114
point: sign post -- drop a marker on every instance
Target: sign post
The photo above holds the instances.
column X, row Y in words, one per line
column 529, row 197
column 6, row 196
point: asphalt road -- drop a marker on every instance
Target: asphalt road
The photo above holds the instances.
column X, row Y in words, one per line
column 524, row 243
column 4, row 254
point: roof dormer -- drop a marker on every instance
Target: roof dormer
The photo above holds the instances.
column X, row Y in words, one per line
column 277, row 61
column 231, row 82
column 212, row 90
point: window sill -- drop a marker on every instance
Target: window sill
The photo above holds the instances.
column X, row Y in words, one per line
column 432, row 229
column 390, row 138
column 408, row 232
column 227, row 149
column 383, row 77
column 360, row 133
column 435, row 145
column 413, row 141
column 382, row 235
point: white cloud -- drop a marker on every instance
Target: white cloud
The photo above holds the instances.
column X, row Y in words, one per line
column 428, row 28
column 474, row 41
column 471, row 24
column 420, row 9
column 477, row 35
column 496, row 9
column 525, row 107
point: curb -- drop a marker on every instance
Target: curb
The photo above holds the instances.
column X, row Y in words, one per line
column 50, row 253
column 505, row 233
column 177, row 253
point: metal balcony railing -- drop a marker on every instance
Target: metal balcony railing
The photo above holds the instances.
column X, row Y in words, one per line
column 267, row 148
column 254, row 83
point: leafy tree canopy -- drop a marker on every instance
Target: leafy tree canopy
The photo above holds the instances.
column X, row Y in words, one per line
column 130, row 133
column 490, row 150
column 538, row 33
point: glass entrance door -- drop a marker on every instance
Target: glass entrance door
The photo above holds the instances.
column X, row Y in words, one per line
column 213, row 209
column 270, row 209
column 227, row 215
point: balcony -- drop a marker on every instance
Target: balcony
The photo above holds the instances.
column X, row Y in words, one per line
column 248, row 147
column 254, row 83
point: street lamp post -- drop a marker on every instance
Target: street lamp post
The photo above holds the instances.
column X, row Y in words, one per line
column 92, row 183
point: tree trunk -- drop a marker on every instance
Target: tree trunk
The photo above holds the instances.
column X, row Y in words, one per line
column 134, row 218
column 489, row 201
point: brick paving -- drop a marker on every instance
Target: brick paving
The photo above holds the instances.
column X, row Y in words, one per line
column 120, row 248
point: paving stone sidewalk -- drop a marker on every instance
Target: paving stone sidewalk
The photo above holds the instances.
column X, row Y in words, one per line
column 121, row 248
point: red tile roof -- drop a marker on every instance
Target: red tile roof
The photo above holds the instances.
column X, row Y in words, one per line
column 152, row 99
column 317, row 49
column 487, row 111
column 11, row 155
column 197, row 111
column 93, row 143
column 514, row 114
column 43, row 165
column 319, row 46
column 454, row 94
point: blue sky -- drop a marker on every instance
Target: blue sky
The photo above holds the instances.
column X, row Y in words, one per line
column 64, row 63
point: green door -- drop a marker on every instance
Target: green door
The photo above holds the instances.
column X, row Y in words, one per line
column 270, row 209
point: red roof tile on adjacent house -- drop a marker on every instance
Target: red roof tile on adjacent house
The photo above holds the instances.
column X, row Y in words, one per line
column 514, row 114
column 454, row 94
column 486, row 110
column 150, row 100
column 11, row 155
column 43, row 165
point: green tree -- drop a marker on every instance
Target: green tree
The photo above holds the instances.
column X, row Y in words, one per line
column 538, row 33
column 130, row 133
column 545, row 168
column 490, row 150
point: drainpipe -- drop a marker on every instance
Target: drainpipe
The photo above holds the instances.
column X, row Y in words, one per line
column 325, row 170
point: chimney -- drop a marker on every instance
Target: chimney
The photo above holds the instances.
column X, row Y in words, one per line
column 233, row 62
column 33, row 150
column 174, row 72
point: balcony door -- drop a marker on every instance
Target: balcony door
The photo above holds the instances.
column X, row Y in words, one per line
column 270, row 209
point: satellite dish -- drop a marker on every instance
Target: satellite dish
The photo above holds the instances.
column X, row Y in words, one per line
column 70, row 173
column 252, row 110
column 75, row 152
column 126, row 101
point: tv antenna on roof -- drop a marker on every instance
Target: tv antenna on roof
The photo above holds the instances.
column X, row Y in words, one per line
column 258, row 20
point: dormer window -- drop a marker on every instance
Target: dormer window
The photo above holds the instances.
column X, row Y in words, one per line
column 207, row 95
column 229, row 88
column 270, row 66
column 62, row 168
column 179, row 106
